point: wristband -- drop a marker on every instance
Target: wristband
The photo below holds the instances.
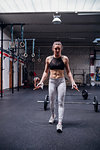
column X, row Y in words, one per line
column 41, row 85
column 73, row 83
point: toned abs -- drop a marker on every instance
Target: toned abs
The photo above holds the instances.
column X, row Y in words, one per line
column 55, row 74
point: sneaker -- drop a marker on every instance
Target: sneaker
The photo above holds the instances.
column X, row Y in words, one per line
column 52, row 119
column 59, row 128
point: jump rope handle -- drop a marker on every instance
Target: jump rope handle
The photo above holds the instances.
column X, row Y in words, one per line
column 77, row 89
column 40, row 87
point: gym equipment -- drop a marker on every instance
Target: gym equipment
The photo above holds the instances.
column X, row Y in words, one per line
column 17, row 46
column 12, row 33
column 33, row 59
column 12, row 45
column 22, row 44
column 95, row 103
column 25, row 54
column 11, row 48
column 39, row 59
column 33, row 54
column 46, row 101
column 84, row 94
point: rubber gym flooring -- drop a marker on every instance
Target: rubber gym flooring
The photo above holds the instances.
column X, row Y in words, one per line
column 24, row 123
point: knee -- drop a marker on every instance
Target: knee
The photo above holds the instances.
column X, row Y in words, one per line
column 61, row 103
column 51, row 101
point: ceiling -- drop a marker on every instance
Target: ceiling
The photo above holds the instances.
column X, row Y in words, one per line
column 15, row 6
column 80, row 20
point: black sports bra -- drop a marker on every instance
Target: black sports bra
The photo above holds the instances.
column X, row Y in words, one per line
column 56, row 63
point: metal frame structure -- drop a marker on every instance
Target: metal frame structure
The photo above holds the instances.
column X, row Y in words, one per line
column 3, row 25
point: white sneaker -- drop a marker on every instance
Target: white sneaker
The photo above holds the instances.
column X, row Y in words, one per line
column 52, row 119
column 59, row 127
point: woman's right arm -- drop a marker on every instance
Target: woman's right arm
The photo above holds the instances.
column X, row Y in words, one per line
column 46, row 71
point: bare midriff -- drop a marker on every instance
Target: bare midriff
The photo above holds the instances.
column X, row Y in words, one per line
column 55, row 74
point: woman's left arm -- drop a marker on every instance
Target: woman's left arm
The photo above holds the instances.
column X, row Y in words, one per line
column 68, row 71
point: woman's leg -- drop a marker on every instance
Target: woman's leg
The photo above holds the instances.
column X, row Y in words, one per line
column 61, row 98
column 52, row 95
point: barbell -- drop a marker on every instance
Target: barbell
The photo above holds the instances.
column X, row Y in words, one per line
column 95, row 103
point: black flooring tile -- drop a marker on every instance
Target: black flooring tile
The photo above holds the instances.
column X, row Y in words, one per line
column 24, row 123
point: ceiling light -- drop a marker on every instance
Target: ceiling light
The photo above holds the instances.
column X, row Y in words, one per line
column 97, row 40
column 89, row 13
column 56, row 19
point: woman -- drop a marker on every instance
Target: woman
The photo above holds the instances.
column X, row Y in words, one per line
column 36, row 80
column 56, row 65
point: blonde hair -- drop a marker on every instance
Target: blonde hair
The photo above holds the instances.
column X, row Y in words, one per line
column 57, row 43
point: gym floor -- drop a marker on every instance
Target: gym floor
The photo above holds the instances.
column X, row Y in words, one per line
column 24, row 123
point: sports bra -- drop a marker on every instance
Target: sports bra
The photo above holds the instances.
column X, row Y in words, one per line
column 56, row 63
